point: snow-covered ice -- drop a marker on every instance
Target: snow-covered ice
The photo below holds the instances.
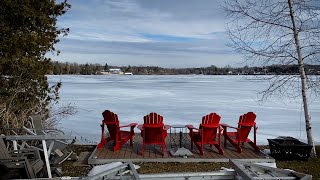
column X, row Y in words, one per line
column 181, row 100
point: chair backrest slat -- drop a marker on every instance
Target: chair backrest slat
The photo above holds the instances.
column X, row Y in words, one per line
column 248, row 119
column 209, row 127
column 153, row 118
column 4, row 154
column 153, row 128
column 36, row 121
column 112, row 122
column 109, row 116
column 212, row 118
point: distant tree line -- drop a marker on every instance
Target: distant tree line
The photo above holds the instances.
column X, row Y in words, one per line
column 58, row 68
column 74, row 68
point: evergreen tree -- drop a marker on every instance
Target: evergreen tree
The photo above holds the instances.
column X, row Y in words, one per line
column 106, row 67
column 27, row 32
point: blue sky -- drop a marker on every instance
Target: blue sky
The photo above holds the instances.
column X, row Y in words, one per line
column 167, row 33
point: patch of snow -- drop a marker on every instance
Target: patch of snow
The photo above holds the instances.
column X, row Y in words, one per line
column 99, row 169
column 273, row 165
column 266, row 151
column 65, row 177
column 226, row 169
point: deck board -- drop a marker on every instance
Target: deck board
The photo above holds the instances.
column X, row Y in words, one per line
column 153, row 152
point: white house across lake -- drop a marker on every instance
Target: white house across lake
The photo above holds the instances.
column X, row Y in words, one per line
column 114, row 71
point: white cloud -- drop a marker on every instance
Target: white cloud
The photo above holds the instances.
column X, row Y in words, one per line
column 125, row 20
column 119, row 28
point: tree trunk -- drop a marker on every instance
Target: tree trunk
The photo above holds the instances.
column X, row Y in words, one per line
column 303, row 81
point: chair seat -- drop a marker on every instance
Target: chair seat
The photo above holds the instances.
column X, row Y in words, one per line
column 196, row 136
column 119, row 137
column 156, row 137
column 233, row 136
column 207, row 133
column 28, row 159
column 240, row 136
column 153, row 131
column 37, row 165
column 124, row 134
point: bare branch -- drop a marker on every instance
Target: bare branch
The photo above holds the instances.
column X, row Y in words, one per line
column 285, row 32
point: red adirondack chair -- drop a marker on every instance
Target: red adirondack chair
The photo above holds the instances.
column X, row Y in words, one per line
column 153, row 131
column 119, row 137
column 207, row 133
column 238, row 138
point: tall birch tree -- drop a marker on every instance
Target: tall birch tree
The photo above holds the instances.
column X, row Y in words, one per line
column 283, row 32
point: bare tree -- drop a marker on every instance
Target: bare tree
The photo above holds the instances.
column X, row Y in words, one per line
column 283, row 32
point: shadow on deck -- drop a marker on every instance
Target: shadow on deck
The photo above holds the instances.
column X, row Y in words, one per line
column 153, row 152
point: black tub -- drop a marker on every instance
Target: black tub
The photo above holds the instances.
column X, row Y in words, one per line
column 289, row 148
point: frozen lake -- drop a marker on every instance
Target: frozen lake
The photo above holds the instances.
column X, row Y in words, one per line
column 181, row 100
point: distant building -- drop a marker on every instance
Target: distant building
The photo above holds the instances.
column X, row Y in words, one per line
column 112, row 71
column 104, row 73
column 115, row 71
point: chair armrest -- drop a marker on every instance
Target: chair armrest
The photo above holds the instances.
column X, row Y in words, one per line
column 25, row 152
column 22, row 151
column 47, row 131
column 140, row 126
column 190, row 127
column 14, row 158
column 129, row 125
column 226, row 125
column 166, row 127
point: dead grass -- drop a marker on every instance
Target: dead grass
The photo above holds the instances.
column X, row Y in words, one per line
column 312, row 166
column 150, row 168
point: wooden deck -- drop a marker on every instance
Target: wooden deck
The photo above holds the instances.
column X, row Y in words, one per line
column 153, row 153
